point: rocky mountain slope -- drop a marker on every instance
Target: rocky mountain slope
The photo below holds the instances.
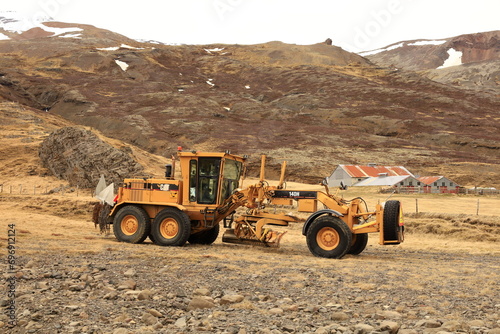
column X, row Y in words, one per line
column 469, row 61
column 80, row 157
column 315, row 106
column 38, row 146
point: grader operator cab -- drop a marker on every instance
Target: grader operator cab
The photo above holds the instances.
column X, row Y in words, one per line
column 172, row 212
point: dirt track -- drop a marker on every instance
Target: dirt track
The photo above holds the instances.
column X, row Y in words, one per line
column 70, row 279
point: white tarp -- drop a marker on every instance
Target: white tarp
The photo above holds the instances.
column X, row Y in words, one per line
column 108, row 194
column 101, row 185
column 105, row 193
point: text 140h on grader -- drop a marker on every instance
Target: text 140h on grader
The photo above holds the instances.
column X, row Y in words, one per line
column 172, row 212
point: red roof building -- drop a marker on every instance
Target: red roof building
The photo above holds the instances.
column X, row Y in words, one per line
column 349, row 175
column 438, row 184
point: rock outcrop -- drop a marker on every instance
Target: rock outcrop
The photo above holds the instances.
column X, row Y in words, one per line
column 80, row 157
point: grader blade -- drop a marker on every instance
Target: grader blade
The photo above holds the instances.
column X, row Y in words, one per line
column 272, row 240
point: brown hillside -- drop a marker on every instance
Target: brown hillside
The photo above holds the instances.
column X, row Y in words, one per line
column 315, row 106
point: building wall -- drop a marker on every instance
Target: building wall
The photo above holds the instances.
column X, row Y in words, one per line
column 410, row 182
column 443, row 185
column 340, row 175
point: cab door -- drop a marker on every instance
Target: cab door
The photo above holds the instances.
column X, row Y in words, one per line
column 204, row 180
column 231, row 175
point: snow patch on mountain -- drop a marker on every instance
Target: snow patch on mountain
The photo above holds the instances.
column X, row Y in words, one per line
column 427, row 42
column 78, row 36
column 3, row 37
column 60, row 31
column 389, row 48
column 123, row 65
column 454, row 59
column 123, row 46
column 210, row 51
column 402, row 44
column 17, row 23
column 150, row 41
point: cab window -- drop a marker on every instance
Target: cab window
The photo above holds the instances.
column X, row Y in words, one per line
column 208, row 177
column 230, row 177
column 193, row 180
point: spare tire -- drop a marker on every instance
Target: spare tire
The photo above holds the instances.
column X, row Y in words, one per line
column 393, row 227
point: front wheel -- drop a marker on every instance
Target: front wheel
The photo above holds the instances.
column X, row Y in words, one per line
column 329, row 236
column 171, row 227
column 359, row 242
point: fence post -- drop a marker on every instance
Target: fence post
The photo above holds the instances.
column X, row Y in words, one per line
column 34, row 190
column 477, row 210
column 416, row 205
column 20, row 188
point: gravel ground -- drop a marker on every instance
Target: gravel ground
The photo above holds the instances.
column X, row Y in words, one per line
column 123, row 288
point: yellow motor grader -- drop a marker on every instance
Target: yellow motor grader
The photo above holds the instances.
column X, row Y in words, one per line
column 172, row 212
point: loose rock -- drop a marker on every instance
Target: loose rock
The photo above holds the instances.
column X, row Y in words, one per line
column 231, row 299
column 200, row 303
column 339, row 316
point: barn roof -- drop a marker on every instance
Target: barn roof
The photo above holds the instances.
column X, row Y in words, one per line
column 429, row 179
column 375, row 170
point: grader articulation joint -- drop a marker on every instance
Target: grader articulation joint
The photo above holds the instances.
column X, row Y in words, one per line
column 172, row 212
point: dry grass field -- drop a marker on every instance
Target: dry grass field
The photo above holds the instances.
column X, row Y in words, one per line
column 70, row 278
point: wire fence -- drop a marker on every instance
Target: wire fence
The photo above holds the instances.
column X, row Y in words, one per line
column 420, row 204
column 424, row 190
column 30, row 189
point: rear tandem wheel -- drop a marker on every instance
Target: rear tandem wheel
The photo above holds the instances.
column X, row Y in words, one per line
column 131, row 224
column 171, row 227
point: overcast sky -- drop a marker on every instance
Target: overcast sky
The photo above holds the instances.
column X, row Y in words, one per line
column 355, row 25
